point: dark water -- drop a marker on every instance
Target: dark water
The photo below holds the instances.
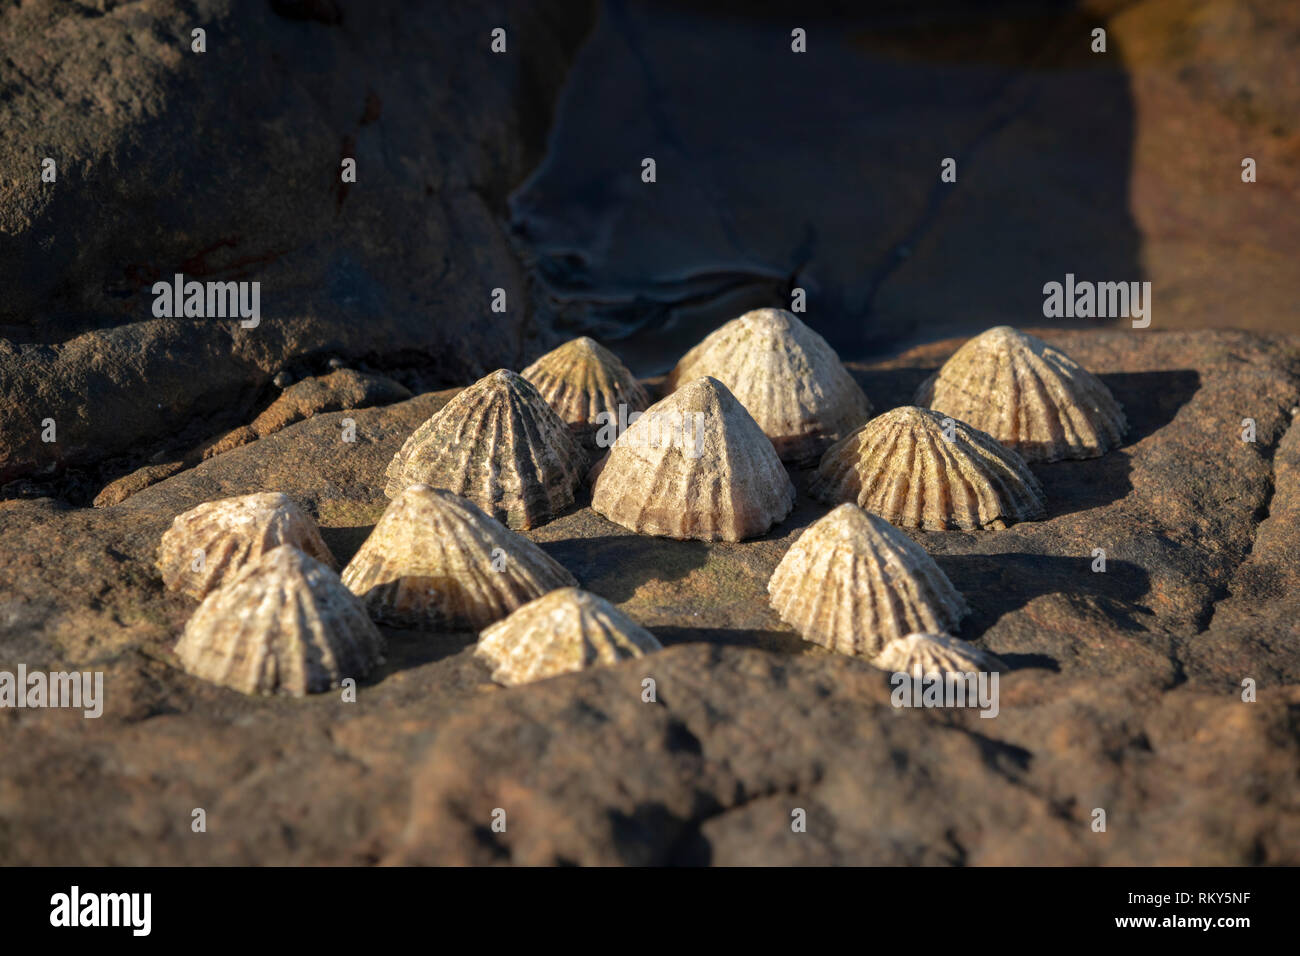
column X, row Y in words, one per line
column 821, row 170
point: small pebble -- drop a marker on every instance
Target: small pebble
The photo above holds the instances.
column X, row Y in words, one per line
column 282, row 380
column 336, row 362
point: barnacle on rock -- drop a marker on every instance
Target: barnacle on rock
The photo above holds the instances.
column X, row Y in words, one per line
column 853, row 582
column 695, row 465
column 1031, row 397
column 921, row 655
column 284, row 623
column 789, row 380
column 208, row 544
column 582, row 379
column 498, row 444
column 436, row 560
column 918, row 468
column 564, row 631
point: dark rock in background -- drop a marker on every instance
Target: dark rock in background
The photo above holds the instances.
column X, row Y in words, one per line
column 225, row 165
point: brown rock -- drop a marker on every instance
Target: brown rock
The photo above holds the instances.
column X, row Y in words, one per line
column 1124, row 688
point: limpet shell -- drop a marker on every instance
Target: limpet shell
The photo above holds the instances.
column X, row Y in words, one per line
column 208, row 544
column 498, row 444
column 1031, row 397
column 922, row 655
column 900, row 466
column 785, row 375
column 695, row 465
column 284, row 623
column 581, row 379
column 435, row 560
column 564, row 631
column 852, row 582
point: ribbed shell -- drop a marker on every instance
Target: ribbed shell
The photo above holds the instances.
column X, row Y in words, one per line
column 284, row 623
column 900, row 467
column 1031, row 397
column 565, row 631
column 232, row 532
column 431, row 562
column 920, row 655
column 852, row 582
column 785, row 375
column 581, row 379
column 654, row 483
column 498, row 444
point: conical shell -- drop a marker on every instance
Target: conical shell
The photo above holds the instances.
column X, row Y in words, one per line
column 695, row 465
column 785, row 375
column 581, row 379
column 565, row 631
column 284, row 623
column 852, row 582
column 921, row 655
column 208, row 544
column 498, row 444
column 436, row 561
column 1031, row 397
column 901, row 467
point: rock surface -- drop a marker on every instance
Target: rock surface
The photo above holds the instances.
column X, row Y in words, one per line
column 1123, row 691
column 226, row 166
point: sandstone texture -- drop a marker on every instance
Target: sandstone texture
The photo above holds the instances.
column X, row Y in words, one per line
column 1122, row 689
column 226, row 166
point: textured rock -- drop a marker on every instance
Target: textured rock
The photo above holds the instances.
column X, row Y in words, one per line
column 140, row 126
column 789, row 380
column 436, row 561
column 1123, row 689
column 695, row 465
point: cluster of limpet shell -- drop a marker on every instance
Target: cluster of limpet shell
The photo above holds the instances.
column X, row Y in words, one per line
column 704, row 463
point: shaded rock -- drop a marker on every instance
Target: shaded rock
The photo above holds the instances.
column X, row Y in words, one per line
column 149, row 185
column 704, row 778
column 337, row 390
